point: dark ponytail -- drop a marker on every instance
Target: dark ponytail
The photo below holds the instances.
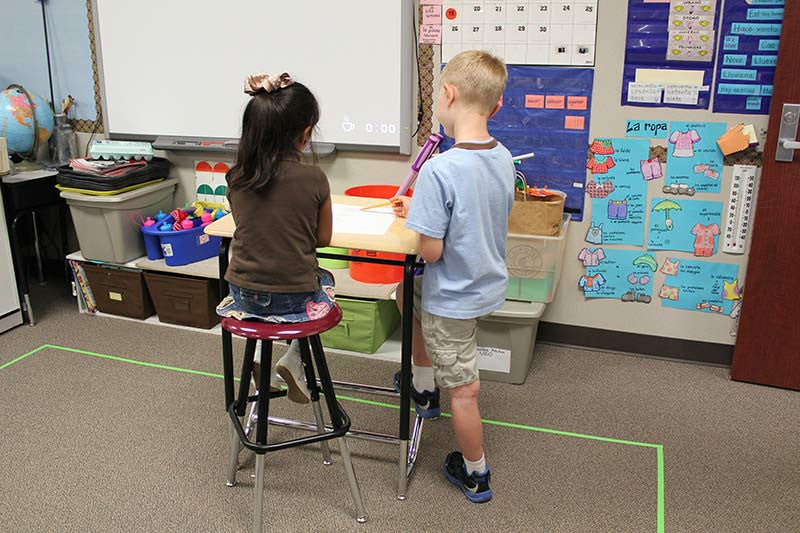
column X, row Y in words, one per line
column 272, row 130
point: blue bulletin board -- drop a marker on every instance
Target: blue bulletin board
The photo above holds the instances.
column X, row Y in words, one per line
column 546, row 110
column 651, row 35
column 748, row 54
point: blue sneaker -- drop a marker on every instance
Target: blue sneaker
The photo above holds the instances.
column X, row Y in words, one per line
column 474, row 486
column 425, row 403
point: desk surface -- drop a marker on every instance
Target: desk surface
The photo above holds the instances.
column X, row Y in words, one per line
column 398, row 239
column 22, row 177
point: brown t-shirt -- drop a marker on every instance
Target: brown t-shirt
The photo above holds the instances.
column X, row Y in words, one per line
column 274, row 245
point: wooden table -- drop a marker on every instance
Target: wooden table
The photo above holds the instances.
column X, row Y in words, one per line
column 399, row 240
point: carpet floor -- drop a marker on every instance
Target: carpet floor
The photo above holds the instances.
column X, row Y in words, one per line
column 113, row 425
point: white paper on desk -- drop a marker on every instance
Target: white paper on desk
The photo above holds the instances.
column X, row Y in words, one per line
column 351, row 219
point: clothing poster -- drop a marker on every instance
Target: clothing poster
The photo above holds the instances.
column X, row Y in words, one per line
column 618, row 190
column 626, row 275
column 694, row 161
column 684, row 226
column 748, row 54
column 700, row 286
column 546, row 110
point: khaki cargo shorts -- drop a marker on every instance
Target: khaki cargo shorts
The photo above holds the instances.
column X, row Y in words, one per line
column 451, row 344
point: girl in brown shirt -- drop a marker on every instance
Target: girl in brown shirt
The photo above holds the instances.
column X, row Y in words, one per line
column 282, row 210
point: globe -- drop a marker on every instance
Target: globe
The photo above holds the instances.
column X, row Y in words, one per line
column 16, row 120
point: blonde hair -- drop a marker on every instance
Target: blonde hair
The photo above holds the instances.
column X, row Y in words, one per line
column 480, row 78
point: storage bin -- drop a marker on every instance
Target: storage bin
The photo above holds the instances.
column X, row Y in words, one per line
column 119, row 291
column 184, row 300
column 106, row 225
column 534, row 265
column 365, row 325
column 179, row 247
column 370, row 272
column 506, row 340
column 333, row 263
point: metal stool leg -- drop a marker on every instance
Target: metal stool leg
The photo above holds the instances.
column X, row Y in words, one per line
column 335, row 410
column 259, row 493
column 244, row 389
column 311, row 380
column 355, row 491
column 261, row 433
column 233, row 454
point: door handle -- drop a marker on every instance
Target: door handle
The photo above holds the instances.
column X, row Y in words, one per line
column 789, row 144
column 788, row 133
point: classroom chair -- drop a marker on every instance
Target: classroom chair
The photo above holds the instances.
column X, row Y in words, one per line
column 303, row 333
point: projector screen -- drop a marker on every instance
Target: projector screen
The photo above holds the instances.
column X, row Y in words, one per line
column 177, row 67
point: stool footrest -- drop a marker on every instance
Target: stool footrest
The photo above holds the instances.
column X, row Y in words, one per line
column 302, row 441
column 272, row 394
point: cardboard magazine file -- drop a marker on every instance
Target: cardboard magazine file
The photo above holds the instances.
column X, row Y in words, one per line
column 537, row 215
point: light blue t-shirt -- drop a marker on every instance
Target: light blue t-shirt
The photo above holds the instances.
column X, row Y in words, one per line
column 464, row 196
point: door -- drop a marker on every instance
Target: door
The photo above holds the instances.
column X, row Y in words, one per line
column 768, row 342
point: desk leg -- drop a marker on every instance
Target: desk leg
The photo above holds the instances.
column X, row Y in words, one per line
column 405, row 374
column 227, row 338
column 37, row 247
column 22, row 275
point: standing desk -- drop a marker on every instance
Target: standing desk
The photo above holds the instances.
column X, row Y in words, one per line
column 399, row 240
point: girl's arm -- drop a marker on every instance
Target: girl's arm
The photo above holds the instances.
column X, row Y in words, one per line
column 325, row 224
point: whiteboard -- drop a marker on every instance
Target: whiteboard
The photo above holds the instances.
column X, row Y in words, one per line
column 177, row 67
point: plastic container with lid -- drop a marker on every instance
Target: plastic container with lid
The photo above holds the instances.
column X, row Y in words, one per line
column 108, row 226
column 506, row 340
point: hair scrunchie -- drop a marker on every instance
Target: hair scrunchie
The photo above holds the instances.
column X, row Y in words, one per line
column 263, row 82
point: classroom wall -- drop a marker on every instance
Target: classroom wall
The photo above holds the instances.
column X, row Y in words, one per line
column 70, row 53
column 608, row 120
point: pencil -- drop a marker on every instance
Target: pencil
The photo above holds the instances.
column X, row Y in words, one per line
column 382, row 204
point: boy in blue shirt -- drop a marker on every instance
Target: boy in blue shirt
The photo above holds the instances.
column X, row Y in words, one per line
column 460, row 209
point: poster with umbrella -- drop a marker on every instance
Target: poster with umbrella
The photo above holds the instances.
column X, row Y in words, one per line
column 666, row 206
column 684, row 226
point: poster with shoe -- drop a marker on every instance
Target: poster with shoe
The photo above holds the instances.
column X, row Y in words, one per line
column 701, row 286
column 693, row 158
column 625, row 275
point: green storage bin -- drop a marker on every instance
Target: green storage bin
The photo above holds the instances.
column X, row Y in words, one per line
column 333, row 263
column 365, row 325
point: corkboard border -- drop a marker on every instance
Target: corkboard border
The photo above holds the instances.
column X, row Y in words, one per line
column 96, row 125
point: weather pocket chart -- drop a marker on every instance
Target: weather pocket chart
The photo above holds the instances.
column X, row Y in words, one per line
column 684, row 226
column 694, row 161
column 748, row 54
column 626, row 275
column 618, row 190
column 700, row 286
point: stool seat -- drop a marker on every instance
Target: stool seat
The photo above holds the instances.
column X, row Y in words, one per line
column 259, row 330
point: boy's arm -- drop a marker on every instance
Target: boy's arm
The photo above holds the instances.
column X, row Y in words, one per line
column 430, row 249
column 429, row 213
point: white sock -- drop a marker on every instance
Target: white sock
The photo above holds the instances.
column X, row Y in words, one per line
column 478, row 466
column 423, row 378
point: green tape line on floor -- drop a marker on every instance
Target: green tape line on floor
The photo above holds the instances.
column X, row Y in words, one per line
column 658, row 447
